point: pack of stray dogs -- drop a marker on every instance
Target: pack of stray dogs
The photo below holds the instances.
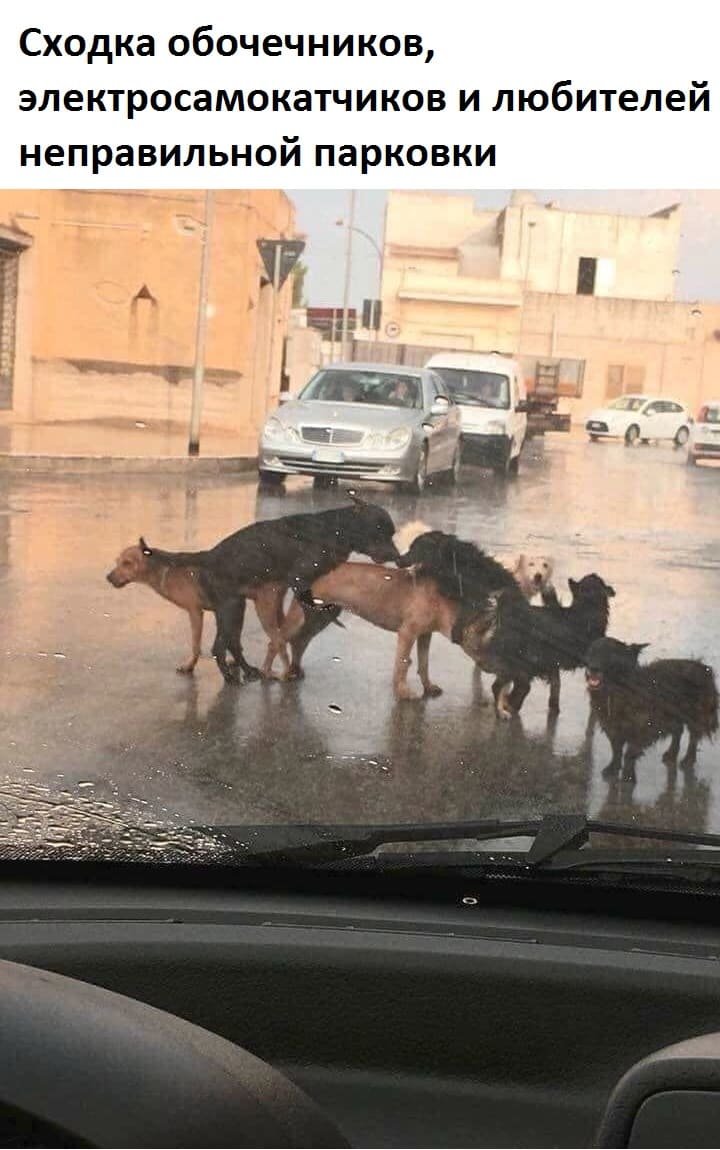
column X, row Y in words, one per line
column 438, row 583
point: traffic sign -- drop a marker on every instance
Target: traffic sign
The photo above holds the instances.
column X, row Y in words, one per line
column 279, row 258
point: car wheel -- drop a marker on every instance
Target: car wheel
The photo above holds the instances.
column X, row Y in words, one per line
column 270, row 479
column 682, row 437
column 503, row 468
column 323, row 482
column 632, row 435
column 417, row 485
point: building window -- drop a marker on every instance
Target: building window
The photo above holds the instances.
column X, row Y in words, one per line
column 587, row 270
column 9, row 264
column 622, row 380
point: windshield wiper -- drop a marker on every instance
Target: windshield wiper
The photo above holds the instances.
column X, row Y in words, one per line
column 553, row 836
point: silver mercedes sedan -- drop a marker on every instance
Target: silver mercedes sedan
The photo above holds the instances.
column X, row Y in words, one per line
column 372, row 421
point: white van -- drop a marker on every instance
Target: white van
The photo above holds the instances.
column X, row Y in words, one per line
column 490, row 391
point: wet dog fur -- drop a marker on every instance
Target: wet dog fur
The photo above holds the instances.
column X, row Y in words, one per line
column 636, row 705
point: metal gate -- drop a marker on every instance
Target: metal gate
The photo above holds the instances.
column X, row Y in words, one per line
column 9, row 263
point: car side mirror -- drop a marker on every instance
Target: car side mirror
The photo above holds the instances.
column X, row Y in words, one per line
column 521, row 406
column 441, row 405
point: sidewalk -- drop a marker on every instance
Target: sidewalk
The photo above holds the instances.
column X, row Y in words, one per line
column 119, row 446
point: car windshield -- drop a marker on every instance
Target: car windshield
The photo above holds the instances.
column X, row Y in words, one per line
column 628, row 403
column 476, row 388
column 385, row 389
column 360, row 608
column 712, row 414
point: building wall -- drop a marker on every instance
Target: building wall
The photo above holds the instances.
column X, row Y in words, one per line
column 532, row 308
column 532, row 244
column 109, row 290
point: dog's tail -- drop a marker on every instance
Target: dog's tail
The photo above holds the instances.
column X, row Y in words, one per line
column 406, row 535
column 174, row 558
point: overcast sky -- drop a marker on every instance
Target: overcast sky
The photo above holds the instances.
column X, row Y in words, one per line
column 699, row 259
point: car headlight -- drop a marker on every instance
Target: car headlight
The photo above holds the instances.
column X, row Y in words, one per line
column 396, row 439
column 275, row 432
column 400, row 437
column 496, row 427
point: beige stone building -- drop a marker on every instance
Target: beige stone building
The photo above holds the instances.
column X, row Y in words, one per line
column 98, row 307
column 550, row 284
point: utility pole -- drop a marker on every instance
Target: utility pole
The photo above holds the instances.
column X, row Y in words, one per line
column 348, row 274
column 277, row 257
column 201, row 329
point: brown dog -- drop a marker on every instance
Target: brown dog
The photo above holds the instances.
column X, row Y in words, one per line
column 399, row 601
column 182, row 586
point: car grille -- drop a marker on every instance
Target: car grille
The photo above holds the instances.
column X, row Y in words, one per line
column 316, row 467
column 334, row 435
column 709, row 448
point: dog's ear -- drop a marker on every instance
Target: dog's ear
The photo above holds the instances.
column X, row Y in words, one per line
column 144, row 547
column 610, row 592
column 636, row 648
column 519, row 563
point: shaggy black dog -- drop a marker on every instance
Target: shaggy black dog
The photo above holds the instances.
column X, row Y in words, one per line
column 636, row 706
column 525, row 642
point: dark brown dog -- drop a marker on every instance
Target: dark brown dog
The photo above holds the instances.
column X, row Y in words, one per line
column 181, row 586
column 636, row 706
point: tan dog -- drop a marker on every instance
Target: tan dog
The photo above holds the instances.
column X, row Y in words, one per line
column 396, row 601
column 533, row 573
column 181, row 586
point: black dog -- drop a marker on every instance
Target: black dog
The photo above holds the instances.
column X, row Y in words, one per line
column 636, row 706
column 540, row 642
column 462, row 572
column 293, row 550
column 525, row 642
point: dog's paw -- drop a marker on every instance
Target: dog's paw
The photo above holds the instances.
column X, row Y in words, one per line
column 405, row 695
column 185, row 669
column 252, row 674
column 432, row 691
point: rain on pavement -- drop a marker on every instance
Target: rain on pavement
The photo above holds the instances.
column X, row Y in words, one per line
column 95, row 717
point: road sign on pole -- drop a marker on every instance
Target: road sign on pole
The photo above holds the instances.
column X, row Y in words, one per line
column 279, row 258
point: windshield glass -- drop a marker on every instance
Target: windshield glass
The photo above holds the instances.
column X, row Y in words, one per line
column 385, row 389
column 219, row 609
column 479, row 388
column 628, row 403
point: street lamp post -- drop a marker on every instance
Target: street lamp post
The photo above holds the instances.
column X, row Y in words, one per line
column 348, row 274
column 378, row 252
column 201, row 328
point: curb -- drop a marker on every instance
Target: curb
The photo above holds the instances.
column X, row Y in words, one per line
column 127, row 465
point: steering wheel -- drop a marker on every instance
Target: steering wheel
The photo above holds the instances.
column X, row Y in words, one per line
column 83, row 1066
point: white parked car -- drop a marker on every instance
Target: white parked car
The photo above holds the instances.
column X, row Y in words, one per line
column 640, row 417
column 705, row 433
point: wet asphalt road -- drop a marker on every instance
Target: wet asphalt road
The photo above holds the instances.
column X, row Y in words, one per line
column 96, row 724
